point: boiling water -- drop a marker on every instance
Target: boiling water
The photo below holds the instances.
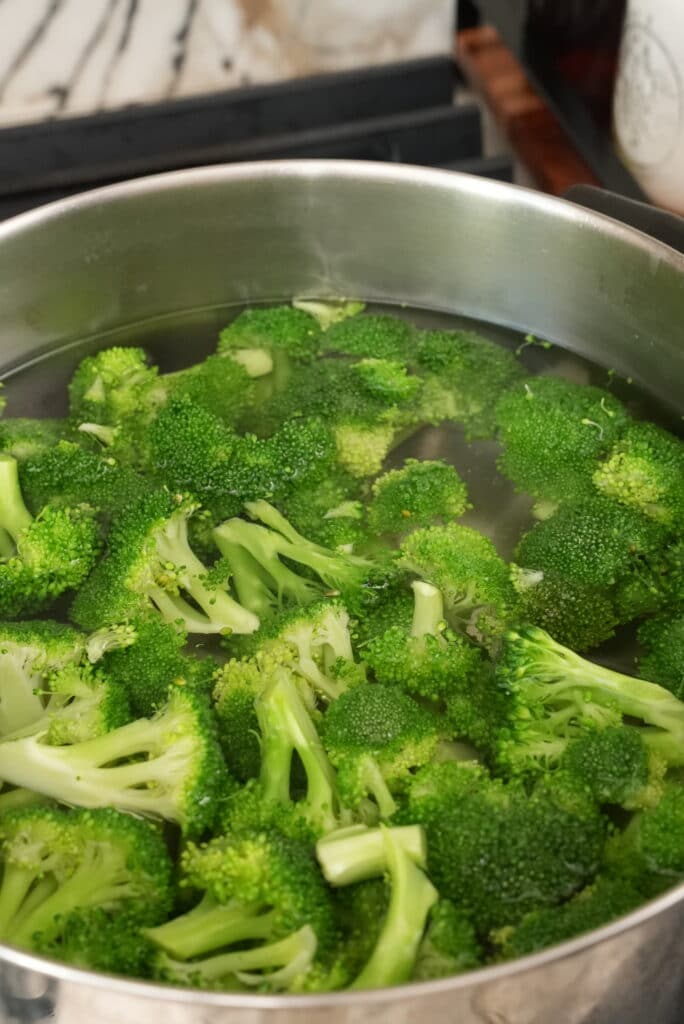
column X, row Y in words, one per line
column 39, row 388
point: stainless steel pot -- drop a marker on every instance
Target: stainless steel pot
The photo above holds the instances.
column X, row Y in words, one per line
column 391, row 234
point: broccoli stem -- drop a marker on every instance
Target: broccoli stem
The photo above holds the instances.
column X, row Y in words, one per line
column 412, row 897
column 257, row 362
column 105, row 435
column 16, row 883
column 374, row 783
column 251, row 588
column 264, row 547
column 286, row 726
column 428, row 610
column 290, row 956
column 14, row 516
column 211, row 925
column 20, row 705
column 223, row 613
column 356, row 853
column 558, row 671
column 109, row 638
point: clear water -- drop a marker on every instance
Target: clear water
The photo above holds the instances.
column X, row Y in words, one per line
column 38, row 388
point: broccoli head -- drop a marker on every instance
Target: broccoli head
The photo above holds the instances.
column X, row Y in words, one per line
column 662, row 640
column 449, row 946
column 27, row 439
column 554, row 433
column 421, row 493
column 645, row 470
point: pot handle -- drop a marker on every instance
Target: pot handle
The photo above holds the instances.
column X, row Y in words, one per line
column 666, row 227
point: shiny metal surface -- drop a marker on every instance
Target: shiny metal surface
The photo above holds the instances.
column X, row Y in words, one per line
column 433, row 240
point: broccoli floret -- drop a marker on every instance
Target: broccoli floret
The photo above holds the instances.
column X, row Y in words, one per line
column 553, row 433
column 41, row 557
column 475, row 582
column 421, row 493
column 601, row 902
column 465, row 375
column 372, row 336
column 319, row 648
column 387, row 380
column 237, row 686
column 63, row 871
column 616, row 766
column 328, row 512
column 327, row 312
column 258, row 554
column 477, row 710
column 449, row 946
column 375, row 736
column 428, row 660
column 155, row 663
column 576, row 615
column 270, row 343
column 662, row 639
column 497, row 851
column 557, row 694
column 645, row 470
column 594, row 542
column 116, row 396
column 67, row 475
column 150, row 565
column 27, row 439
column 168, row 766
column 262, row 887
column 650, row 851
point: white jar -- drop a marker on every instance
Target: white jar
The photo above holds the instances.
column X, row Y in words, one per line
column 648, row 107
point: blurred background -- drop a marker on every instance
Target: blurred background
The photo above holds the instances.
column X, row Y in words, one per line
column 547, row 93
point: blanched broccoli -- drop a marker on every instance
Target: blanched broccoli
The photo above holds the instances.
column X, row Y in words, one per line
column 575, row 614
column 428, row 660
column 41, row 557
column 27, row 439
column 645, row 470
column 557, row 694
column 357, row 853
column 601, row 902
column 68, row 475
column 150, row 565
column 554, row 433
column 260, row 887
column 328, row 512
column 475, row 582
column 66, row 872
column 650, row 850
column 465, row 375
column 375, row 736
column 115, row 396
column 616, row 766
column 155, row 663
column 497, row 851
column 662, row 639
column 168, row 766
column 259, row 552
column 371, row 336
column 449, row 946
column 421, row 493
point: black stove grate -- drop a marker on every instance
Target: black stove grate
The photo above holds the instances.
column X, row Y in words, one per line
column 401, row 113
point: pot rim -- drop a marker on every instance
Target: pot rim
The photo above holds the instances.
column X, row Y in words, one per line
column 420, row 177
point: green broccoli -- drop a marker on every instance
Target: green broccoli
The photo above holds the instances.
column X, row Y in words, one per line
column 357, row 853
column 328, row 512
column 68, row 475
column 662, row 640
column 600, row 903
column 327, row 312
column 258, row 554
column 498, row 851
column 370, row 336
column 428, row 660
column 475, row 582
column 421, row 493
column 150, row 565
column 25, row 439
column 465, row 375
column 554, row 433
column 115, row 396
column 41, row 557
column 260, row 887
column 155, row 663
column 616, row 766
column 650, row 850
column 575, row 614
column 449, row 946
column 375, row 736
column 167, row 767
column 556, row 695
column 65, row 871
column 645, row 470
